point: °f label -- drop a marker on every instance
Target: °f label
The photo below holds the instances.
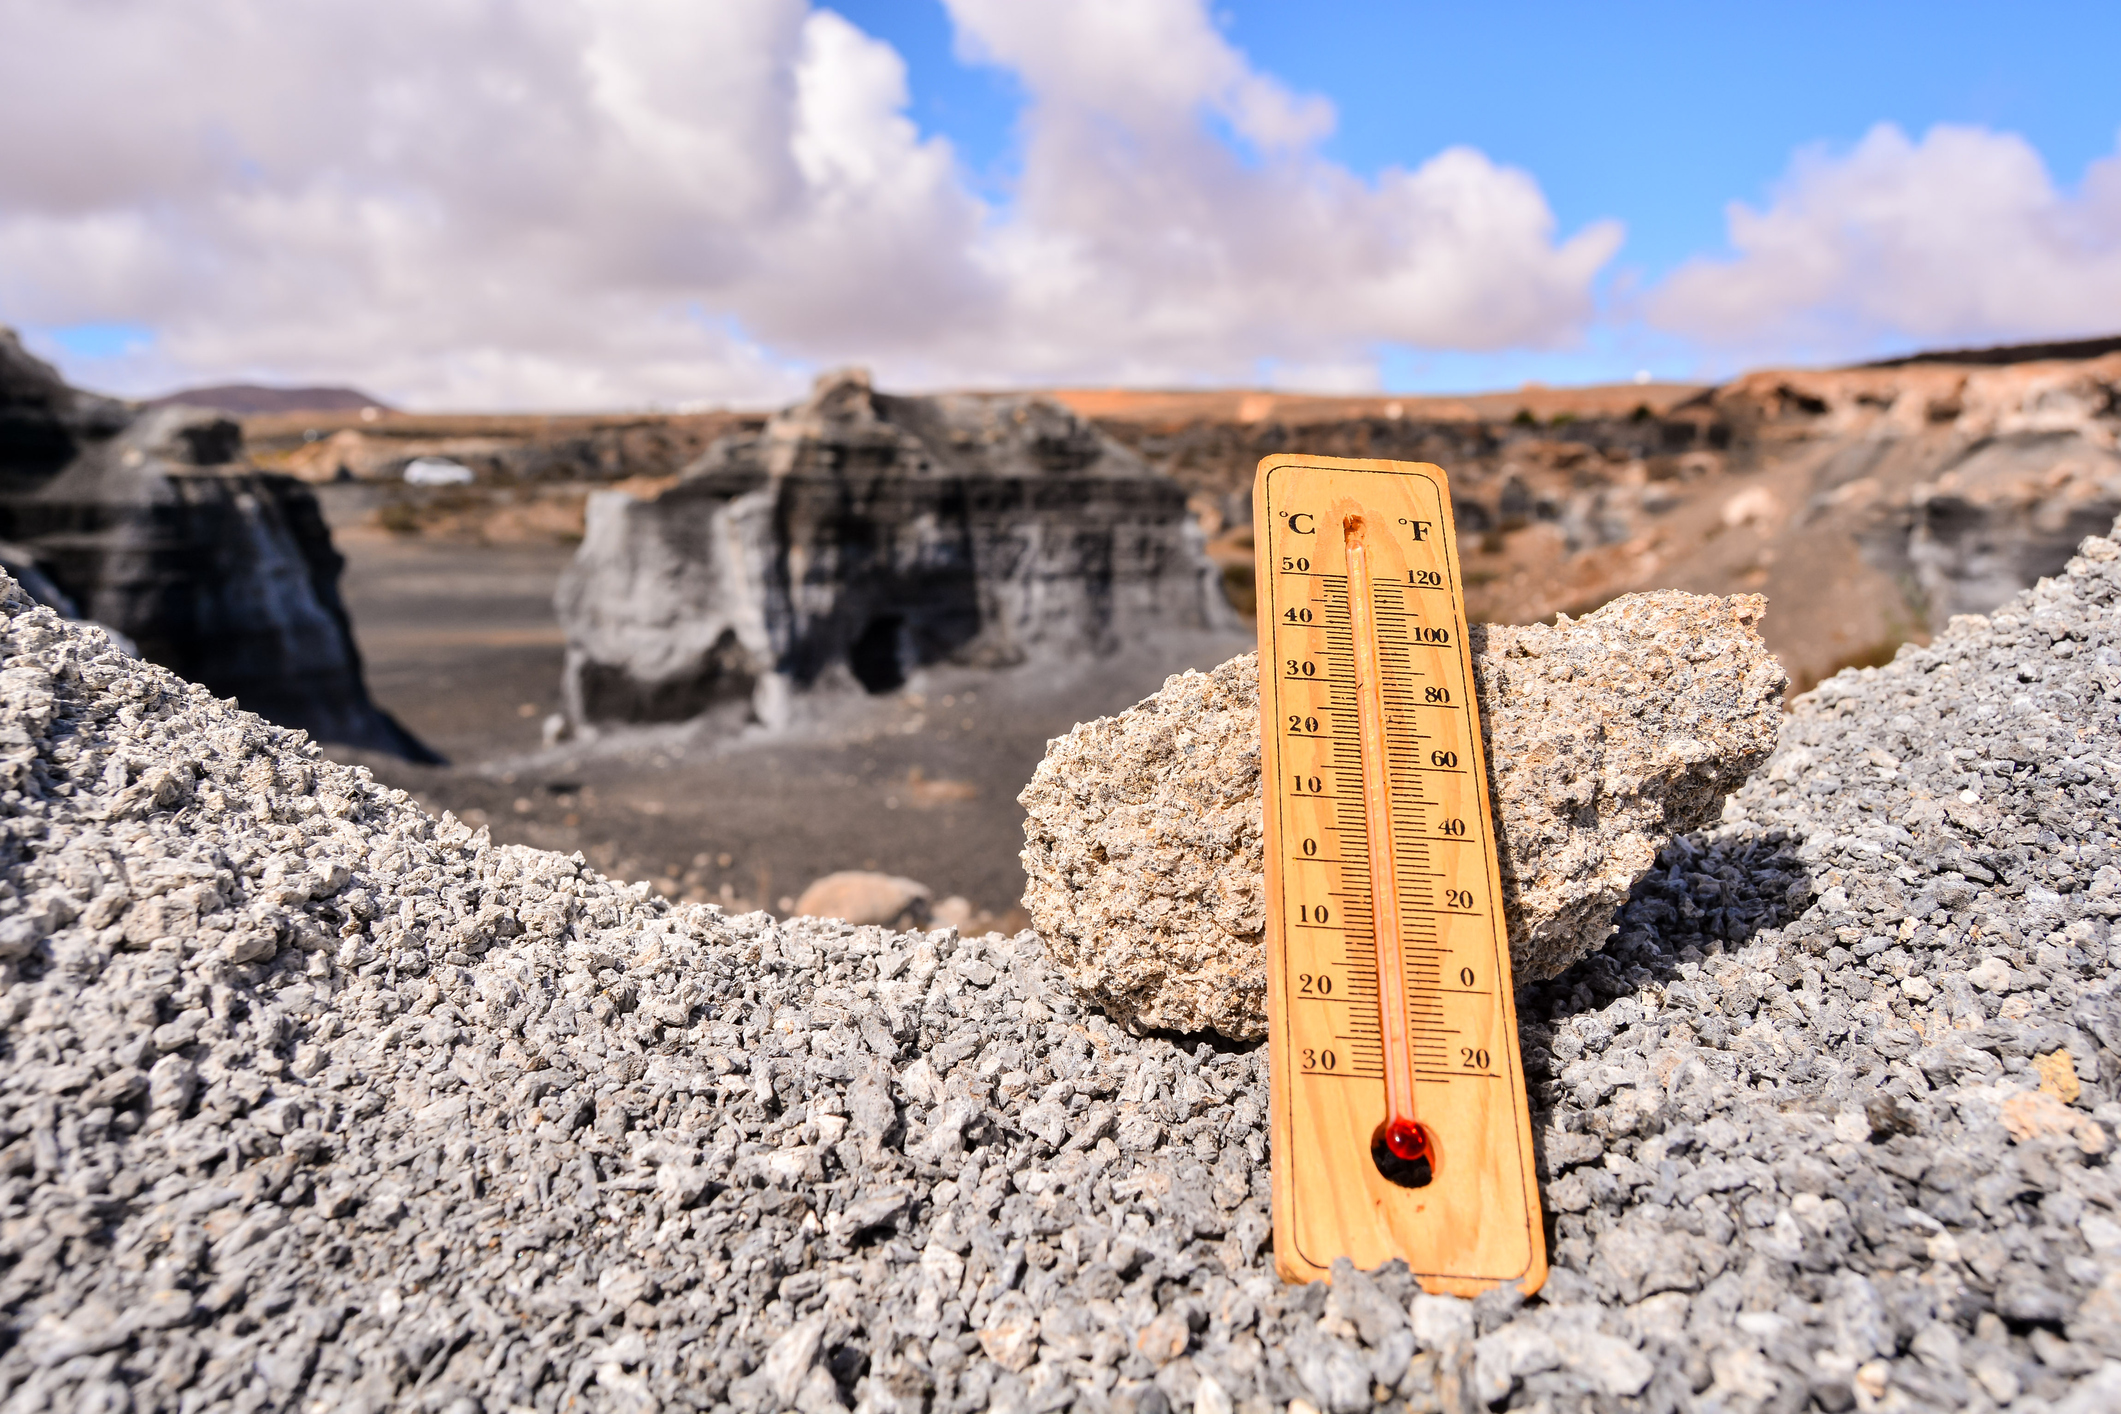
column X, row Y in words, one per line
column 1400, row 1126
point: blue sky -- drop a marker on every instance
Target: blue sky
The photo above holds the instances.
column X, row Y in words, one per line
column 1659, row 115
column 1656, row 114
column 1331, row 195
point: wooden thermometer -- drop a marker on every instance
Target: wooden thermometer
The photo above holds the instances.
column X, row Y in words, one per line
column 1400, row 1122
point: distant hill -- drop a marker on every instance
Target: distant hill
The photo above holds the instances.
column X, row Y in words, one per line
column 2007, row 353
column 248, row 399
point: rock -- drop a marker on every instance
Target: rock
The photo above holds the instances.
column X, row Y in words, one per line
column 1164, row 1339
column 1334, row 1373
column 1010, row 1337
column 859, row 537
column 2058, row 1076
column 1509, row 1355
column 1142, row 850
column 2037, row 1114
column 859, row 896
column 149, row 521
column 438, row 471
column 1441, row 1321
column 1615, row 1367
column 2032, row 473
column 1606, row 736
column 775, row 1384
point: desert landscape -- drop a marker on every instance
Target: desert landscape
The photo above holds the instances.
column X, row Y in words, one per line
column 648, row 762
column 1868, row 504
column 318, row 1099
column 764, row 910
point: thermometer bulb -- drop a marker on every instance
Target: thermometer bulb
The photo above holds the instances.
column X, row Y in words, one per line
column 1407, row 1140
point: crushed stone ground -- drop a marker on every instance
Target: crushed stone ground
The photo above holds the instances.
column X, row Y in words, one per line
column 311, row 1102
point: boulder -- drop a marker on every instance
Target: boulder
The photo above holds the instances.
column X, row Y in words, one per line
column 859, row 537
column 862, row 896
column 151, row 522
column 1606, row 735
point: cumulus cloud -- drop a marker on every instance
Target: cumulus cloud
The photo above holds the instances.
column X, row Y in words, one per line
column 1142, row 246
column 462, row 202
column 1962, row 236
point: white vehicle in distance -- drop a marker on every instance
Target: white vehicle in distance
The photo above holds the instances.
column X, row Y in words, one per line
column 437, row 471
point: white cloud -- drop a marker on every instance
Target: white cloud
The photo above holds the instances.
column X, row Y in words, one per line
column 470, row 203
column 1141, row 247
column 1961, row 236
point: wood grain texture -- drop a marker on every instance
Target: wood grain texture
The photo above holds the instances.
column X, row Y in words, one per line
column 1476, row 1222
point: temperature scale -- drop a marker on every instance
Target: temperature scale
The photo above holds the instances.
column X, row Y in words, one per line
column 1400, row 1122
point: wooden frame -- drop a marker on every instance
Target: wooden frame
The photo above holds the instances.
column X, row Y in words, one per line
column 1476, row 1221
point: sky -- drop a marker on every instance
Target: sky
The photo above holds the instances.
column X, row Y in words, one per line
column 582, row 204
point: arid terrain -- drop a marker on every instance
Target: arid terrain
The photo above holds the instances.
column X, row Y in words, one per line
column 460, row 643
column 1867, row 504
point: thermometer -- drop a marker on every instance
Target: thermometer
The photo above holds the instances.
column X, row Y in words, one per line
column 1400, row 1125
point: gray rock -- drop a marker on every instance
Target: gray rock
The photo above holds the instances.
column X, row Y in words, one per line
column 1334, row 1372
column 859, row 537
column 151, row 522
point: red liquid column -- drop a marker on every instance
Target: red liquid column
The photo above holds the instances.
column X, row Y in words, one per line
column 1403, row 1133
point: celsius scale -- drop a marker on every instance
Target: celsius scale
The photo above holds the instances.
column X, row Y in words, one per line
column 1400, row 1125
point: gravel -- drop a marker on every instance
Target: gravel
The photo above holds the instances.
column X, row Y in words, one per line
column 311, row 1101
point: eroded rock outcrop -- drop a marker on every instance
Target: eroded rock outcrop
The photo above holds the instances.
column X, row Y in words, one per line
column 1870, row 504
column 1605, row 736
column 861, row 536
column 149, row 521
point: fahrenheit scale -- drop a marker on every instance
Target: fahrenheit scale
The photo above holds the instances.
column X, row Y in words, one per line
column 1400, row 1122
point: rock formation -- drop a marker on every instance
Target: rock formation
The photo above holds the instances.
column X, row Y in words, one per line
column 859, row 537
column 1605, row 736
column 506, row 451
column 1870, row 504
column 150, row 522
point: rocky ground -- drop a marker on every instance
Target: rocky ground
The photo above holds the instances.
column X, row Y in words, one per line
column 460, row 643
column 311, row 1101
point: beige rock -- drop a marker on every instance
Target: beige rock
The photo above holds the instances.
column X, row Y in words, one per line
column 859, row 896
column 1165, row 1338
column 1606, row 735
column 1010, row 1337
column 2058, row 1076
column 2036, row 1114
